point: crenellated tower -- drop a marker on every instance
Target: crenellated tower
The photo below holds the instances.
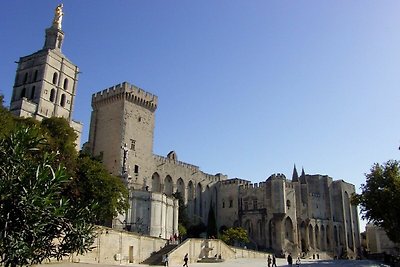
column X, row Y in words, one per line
column 124, row 115
column 46, row 81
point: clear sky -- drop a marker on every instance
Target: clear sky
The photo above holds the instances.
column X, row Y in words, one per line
column 246, row 88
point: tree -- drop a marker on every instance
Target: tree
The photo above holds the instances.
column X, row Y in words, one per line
column 93, row 183
column 235, row 235
column 380, row 198
column 6, row 118
column 36, row 221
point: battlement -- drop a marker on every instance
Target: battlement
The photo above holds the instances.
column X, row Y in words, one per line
column 164, row 160
column 277, row 176
column 234, row 181
column 128, row 92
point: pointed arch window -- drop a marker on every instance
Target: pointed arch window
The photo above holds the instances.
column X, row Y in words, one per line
column 33, row 92
column 26, row 77
column 52, row 95
column 55, row 77
column 65, row 84
column 35, row 76
column 62, row 102
column 23, row 92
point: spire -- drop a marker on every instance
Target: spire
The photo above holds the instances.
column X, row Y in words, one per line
column 303, row 176
column 54, row 34
column 295, row 176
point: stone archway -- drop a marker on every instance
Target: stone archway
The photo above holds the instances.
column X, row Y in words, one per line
column 155, row 183
column 168, row 186
column 289, row 230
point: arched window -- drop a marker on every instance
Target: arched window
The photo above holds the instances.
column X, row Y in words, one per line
column 65, row 84
column 62, row 102
column 52, row 95
column 35, row 76
column 55, row 76
column 33, row 92
column 23, row 92
column 26, row 77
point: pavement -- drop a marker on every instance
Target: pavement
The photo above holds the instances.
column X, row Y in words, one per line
column 250, row 263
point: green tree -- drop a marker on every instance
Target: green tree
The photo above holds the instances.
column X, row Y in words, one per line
column 380, row 198
column 235, row 235
column 36, row 221
column 61, row 138
column 93, row 183
column 182, row 214
column 6, row 118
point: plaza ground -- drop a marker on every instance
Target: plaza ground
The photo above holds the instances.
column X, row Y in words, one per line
column 251, row 263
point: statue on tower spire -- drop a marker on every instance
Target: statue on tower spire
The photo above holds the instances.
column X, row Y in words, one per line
column 58, row 14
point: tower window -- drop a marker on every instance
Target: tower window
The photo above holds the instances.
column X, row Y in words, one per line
column 65, row 84
column 33, row 92
column 26, row 77
column 230, row 203
column 223, row 204
column 35, row 76
column 62, row 102
column 23, row 92
column 136, row 169
column 55, row 76
column 52, row 95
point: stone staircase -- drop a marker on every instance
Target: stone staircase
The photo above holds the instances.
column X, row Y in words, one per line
column 157, row 257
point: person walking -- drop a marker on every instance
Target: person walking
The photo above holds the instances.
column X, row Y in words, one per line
column 166, row 260
column 185, row 260
column 269, row 261
column 298, row 262
column 273, row 261
column 290, row 260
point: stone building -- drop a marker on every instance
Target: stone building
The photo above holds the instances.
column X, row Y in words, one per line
column 46, row 81
column 378, row 241
column 308, row 214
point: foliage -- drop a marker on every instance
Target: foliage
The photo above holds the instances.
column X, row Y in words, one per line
column 93, row 183
column 196, row 230
column 182, row 230
column 212, row 224
column 234, row 235
column 36, row 221
column 7, row 120
column 61, row 138
column 380, row 198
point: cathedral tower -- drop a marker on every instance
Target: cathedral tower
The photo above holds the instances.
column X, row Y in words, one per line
column 45, row 82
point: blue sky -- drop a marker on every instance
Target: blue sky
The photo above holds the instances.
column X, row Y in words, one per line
column 246, row 88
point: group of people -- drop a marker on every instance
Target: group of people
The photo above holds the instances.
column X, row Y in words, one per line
column 289, row 261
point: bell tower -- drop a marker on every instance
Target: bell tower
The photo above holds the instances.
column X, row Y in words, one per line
column 46, row 81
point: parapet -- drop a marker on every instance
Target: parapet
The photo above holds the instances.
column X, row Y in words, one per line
column 126, row 92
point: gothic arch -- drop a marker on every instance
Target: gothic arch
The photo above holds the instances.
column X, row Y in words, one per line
column 190, row 199
column 62, row 101
column 65, row 84
column 311, row 235
column 317, row 237
column 52, row 95
column 180, row 187
column 303, row 237
column 155, row 183
column 198, row 200
column 249, row 228
column 168, row 186
column 322, row 238
column 289, row 229
column 55, row 77
column 272, row 233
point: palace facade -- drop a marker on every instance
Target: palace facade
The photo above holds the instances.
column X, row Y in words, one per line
column 309, row 214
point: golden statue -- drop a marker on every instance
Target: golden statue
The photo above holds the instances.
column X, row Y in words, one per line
column 58, row 14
